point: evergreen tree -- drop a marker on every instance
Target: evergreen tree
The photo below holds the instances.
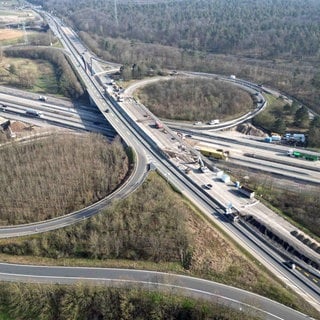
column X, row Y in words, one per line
column 279, row 126
column 315, row 123
column 301, row 118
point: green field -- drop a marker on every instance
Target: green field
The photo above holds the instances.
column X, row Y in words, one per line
column 35, row 75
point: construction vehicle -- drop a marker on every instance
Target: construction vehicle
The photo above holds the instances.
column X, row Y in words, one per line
column 216, row 121
column 202, row 167
column 120, row 98
column 214, row 153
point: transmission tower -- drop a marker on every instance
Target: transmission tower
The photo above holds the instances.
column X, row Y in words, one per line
column 25, row 35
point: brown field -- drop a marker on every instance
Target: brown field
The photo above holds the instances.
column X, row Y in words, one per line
column 8, row 34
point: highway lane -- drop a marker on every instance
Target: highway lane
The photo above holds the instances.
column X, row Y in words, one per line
column 165, row 168
column 247, row 141
column 272, row 162
column 171, row 172
column 262, row 156
column 150, row 280
column 87, row 121
column 47, row 120
column 80, row 113
column 280, row 168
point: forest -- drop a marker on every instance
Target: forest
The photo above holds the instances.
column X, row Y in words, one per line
column 262, row 28
column 195, row 99
column 275, row 42
column 57, row 175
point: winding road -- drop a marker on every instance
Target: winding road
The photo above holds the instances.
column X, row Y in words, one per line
column 150, row 280
column 145, row 149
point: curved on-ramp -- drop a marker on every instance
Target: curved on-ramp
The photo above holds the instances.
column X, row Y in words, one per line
column 245, row 85
column 132, row 183
column 151, row 280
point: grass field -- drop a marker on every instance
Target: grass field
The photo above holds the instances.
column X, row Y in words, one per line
column 11, row 37
column 7, row 34
column 40, row 72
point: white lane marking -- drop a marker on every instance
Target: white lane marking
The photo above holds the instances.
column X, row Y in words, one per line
column 149, row 283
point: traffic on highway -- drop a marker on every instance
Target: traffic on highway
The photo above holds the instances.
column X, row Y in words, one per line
column 172, row 156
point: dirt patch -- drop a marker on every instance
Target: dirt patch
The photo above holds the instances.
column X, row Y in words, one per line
column 249, row 129
column 208, row 247
column 17, row 126
column 8, row 34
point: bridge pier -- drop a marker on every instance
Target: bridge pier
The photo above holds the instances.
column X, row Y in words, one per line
column 92, row 104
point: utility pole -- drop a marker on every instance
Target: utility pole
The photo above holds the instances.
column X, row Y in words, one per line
column 25, row 35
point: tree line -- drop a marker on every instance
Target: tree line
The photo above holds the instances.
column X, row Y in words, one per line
column 88, row 302
column 283, row 116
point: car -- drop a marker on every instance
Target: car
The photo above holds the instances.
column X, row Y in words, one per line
column 42, row 98
column 188, row 136
column 197, row 123
column 290, row 264
column 208, row 186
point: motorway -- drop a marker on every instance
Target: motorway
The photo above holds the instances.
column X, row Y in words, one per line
column 55, row 113
column 244, row 151
column 252, row 153
column 182, row 182
column 226, row 194
column 148, row 148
